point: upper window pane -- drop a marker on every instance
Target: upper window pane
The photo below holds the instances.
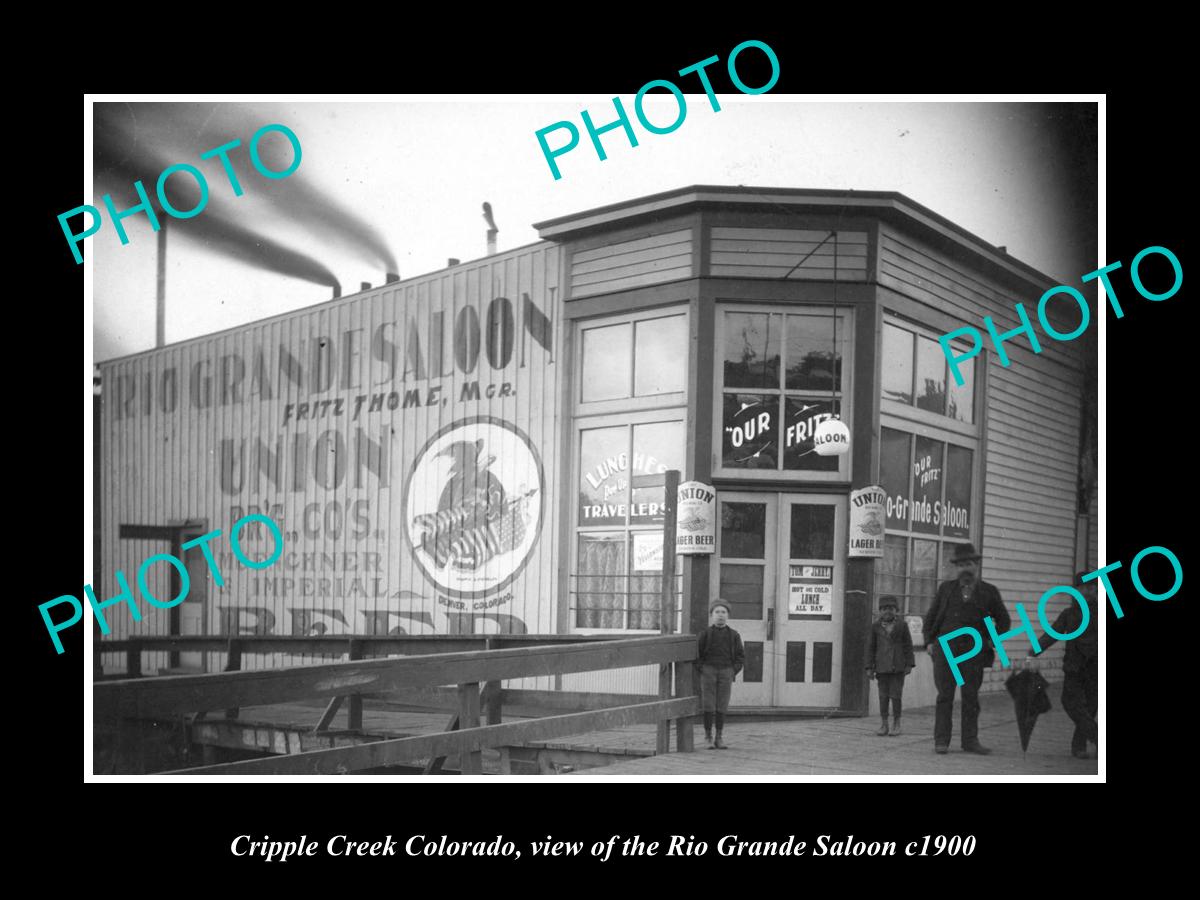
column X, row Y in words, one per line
column 897, row 364
column 657, row 447
column 604, row 476
column 931, row 376
column 743, row 530
column 752, row 342
column 927, row 485
column 607, row 362
column 801, row 418
column 660, row 363
column 750, row 431
column 960, row 401
column 810, row 356
column 893, row 475
column 812, row 531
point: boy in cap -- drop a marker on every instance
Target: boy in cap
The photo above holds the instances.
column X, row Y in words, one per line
column 889, row 660
column 721, row 658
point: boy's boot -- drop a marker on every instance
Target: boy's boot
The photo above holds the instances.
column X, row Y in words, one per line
column 896, row 726
column 883, row 729
column 718, row 743
column 708, row 724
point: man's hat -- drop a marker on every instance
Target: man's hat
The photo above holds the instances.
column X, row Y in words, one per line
column 889, row 600
column 712, row 606
column 964, row 552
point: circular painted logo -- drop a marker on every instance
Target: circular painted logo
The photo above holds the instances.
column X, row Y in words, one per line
column 473, row 506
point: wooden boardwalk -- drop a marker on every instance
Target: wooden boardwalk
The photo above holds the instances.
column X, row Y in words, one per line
column 847, row 747
column 819, row 747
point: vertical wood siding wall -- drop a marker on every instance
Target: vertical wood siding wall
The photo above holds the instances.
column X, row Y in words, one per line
column 346, row 563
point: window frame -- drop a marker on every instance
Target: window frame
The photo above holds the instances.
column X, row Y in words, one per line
column 626, row 412
column 911, row 411
column 580, row 407
column 845, row 393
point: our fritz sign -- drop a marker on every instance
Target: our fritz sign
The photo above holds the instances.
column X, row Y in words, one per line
column 867, row 511
column 696, row 517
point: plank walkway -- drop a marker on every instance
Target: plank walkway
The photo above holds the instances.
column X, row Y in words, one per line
column 830, row 747
column 846, row 747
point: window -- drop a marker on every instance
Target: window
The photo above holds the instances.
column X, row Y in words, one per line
column 928, row 483
column 640, row 361
column 630, row 406
column 916, row 373
column 780, row 377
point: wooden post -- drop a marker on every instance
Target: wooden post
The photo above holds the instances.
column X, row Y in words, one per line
column 491, row 692
column 468, row 717
column 354, row 713
column 685, row 725
column 233, row 663
column 667, row 601
column 667, row 606
column 133, row 662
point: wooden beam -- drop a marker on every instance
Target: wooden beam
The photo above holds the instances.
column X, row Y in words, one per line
column 335, row 645
column 685, row 727
column 356, row 710
column 662, row 737
column 434, row 766
column 177, row 694
column 233, row 663
column 330, row 712
column 471, row 761
column 382, row 753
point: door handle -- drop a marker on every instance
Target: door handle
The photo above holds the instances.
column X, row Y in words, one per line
column 771, row 624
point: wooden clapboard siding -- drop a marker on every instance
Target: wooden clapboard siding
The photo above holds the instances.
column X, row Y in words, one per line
column 1032, row 420
column 775, row 252
column 632, row 263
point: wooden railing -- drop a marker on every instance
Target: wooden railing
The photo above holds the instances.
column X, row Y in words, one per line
column 440, row 663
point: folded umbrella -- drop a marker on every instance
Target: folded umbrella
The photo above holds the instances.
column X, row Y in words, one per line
column 1030, row 698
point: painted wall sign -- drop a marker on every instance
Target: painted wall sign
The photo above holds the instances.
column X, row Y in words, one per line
column 696, row 518
column 395, row 436
column 867, row 510
column 473, row 506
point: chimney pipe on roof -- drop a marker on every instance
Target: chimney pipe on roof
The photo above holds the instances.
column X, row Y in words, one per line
column 492, row 229
column 452, row 262
column 337, row 291
column 391, row 277
column 365, row 286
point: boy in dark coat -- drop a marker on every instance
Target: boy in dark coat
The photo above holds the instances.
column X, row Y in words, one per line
column 721, row 658
column 889, row 659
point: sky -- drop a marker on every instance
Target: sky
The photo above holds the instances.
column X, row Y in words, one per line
column 404, row 182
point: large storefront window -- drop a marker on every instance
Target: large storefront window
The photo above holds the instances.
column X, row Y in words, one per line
column 638, row 365
column 929, row 509
column 780, row 377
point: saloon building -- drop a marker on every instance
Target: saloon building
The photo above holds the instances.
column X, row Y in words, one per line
column 483, row 448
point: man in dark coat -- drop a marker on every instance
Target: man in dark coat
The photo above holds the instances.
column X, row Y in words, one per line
column 962, row 603
column 1081, row 667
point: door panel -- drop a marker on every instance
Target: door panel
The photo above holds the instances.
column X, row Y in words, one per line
column 745, row 578
column 811, row 572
